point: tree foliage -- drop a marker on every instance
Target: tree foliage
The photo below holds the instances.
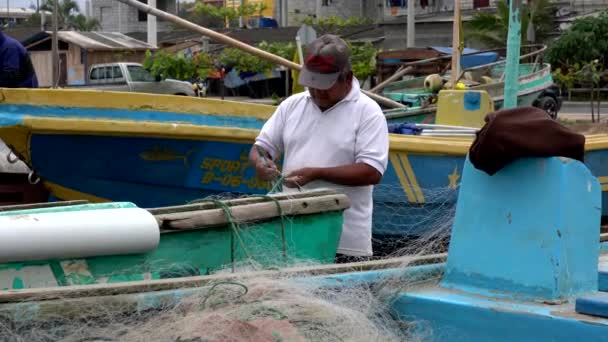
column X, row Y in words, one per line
column 584, row 42
column 333, row 23
column 491, row 30
column 246, row 62
column 363, row 59
column 177, row 66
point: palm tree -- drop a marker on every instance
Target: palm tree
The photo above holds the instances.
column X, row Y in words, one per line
column 69, row 16
column 81, row 23
column 491, row 30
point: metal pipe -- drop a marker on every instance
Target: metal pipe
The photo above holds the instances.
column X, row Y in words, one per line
column 240, row 45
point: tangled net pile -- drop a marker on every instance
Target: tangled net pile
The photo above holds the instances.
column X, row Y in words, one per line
column 247, row 307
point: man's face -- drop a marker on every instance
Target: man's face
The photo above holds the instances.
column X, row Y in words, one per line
column 325, row 99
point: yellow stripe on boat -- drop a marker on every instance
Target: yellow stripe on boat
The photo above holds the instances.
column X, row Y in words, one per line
column 126, row 100
column 412, row 177
column 63, row 193
column 405, row 185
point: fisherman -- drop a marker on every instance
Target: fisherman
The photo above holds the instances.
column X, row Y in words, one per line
column 16, row 66
column 331, row 136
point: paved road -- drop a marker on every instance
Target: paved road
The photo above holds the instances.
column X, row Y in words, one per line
column 581, row 111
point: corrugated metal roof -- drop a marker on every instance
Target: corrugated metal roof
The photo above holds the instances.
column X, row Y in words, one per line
column 102, row 40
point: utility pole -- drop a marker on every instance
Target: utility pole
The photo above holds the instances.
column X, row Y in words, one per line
column 411, row 23
column 151, row 25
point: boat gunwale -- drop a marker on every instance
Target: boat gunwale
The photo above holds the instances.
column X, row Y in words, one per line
column 398, row 142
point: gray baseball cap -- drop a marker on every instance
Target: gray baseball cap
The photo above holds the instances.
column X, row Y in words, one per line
column 326, row 57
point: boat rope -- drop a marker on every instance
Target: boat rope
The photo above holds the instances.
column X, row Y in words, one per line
column 282, row 216
column 235, row 232
column 211, row 290
column 277, row 184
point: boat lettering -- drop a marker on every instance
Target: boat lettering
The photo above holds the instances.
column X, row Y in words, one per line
column 224, row 165
column 234, row 181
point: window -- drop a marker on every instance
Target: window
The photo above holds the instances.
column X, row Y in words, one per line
column 117, row 73
column 142, row 16
column 325, row 2
column 108, row 73
column 97, row 74
column 139, row 74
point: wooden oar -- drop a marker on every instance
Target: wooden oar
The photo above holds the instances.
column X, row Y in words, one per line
column 401, row 72
column 239, row 45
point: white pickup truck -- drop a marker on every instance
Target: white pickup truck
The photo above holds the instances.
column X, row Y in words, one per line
column 133, row 77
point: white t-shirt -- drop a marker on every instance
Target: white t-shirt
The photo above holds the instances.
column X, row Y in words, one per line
column 352, row 131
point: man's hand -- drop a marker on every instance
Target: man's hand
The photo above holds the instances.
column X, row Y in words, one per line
column 266, row 169
column 301, row 177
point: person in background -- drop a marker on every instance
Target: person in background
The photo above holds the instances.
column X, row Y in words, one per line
column 331, row 136
column 16, row 69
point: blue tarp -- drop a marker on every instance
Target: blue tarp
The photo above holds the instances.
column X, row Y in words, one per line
column 404, row 128
column 470, row 61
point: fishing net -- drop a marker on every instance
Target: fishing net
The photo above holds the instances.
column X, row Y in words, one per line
column 249, row 305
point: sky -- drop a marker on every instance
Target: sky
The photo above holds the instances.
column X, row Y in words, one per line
column 27, row 3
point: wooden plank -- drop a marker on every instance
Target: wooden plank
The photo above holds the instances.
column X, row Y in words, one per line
column 67, row 292
column 240, row 201
column 253, row 212
column 41, row 205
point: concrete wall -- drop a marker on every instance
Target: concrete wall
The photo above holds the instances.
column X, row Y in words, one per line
column 115, row 16
column 427, row 34
column 300, row 9
column 43, row 65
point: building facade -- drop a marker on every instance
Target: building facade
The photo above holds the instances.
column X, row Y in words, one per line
column 115, row 16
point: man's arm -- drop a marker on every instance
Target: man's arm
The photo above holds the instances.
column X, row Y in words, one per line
column 359, row 174
column 269, row 144
column 9, row 75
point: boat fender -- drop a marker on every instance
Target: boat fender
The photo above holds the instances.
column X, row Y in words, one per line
column 433, row 83
column 77, row 234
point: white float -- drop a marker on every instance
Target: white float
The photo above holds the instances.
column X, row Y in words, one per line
column 77, row 234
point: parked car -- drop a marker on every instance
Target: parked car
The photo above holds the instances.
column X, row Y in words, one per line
column 133, row 77
column 549, row 100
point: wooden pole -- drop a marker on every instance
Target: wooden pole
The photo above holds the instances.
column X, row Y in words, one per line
column 402, row 71
column 456, row 44
column 55, row 46
column 239, row 45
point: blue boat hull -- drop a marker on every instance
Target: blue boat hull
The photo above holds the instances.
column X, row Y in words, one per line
column 157, row 151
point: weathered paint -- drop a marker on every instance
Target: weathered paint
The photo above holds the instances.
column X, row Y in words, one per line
column 448, row 315
column 312, row 238
column 90, row 206
column 526, row 245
